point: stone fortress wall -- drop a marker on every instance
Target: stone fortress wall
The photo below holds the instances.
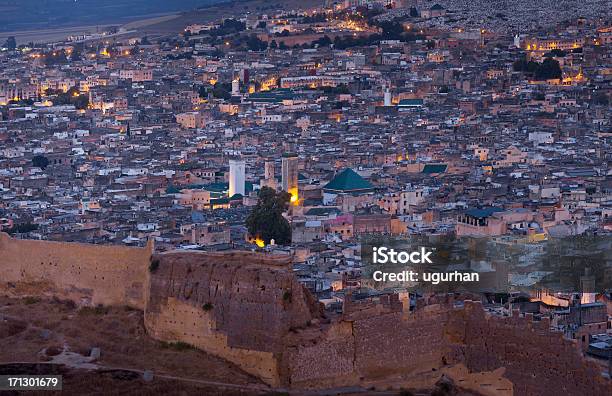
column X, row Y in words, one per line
column 537, row 361
column 392, row 343
column 86, row 274
column 236, row 305
column 249, row 309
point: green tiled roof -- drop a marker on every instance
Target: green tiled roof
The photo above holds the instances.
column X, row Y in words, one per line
column 410, row 102
column 213, row 187
column 274, row 96
column 348, row 181
column 434, row 168
column 221, row 187
column 322, row 211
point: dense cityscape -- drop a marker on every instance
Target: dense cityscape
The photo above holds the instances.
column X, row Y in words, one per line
column 299, row 132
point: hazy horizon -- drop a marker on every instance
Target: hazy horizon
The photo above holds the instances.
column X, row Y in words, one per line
column 16, row 15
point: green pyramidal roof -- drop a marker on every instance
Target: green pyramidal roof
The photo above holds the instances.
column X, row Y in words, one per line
column 348, row 181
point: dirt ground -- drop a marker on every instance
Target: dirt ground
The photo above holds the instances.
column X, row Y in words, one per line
column 34, row 330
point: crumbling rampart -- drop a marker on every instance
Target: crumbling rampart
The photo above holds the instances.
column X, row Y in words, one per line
column 87, row 274
column 249, row 309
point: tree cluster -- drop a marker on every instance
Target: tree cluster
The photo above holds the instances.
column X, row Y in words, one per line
column 266, row 220
column 229, row 26
column 548, row 69
column 40, row 161
column 23, row 228
column 71, row 97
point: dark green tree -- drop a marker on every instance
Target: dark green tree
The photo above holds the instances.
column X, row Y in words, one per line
column 40, row 161
column 323, row 41
column 222, row 91
column 72, row 97
column 548, row 69
column 255, row 44
column 23, row 228
column 266, row 220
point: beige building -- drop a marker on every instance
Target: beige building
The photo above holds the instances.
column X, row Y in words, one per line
column 197, row 199
column 136, row 75
column 190, row 120
column 210, row 234
column 400, row 202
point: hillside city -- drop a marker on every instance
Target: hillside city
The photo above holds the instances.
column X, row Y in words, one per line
column 304, row 131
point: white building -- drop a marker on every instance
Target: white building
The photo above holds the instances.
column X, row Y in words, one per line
column 237, row 177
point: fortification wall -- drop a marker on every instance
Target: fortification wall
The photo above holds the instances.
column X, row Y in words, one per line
column 177, row 320
column 371, row 348
column 238, row 306
column 85, row 274
column 324, row 360
column 537, row 361
column 400, row 343
column 249, row 309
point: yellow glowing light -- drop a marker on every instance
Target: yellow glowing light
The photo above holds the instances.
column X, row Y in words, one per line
column 294, row 199
column 259, row 242
column 268, row 84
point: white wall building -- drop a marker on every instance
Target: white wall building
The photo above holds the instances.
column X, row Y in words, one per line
column 237, row 177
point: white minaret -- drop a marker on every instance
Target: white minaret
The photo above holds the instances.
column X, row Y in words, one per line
column 387, row 97
column 235, row 86
column 237, row 177
column 517, row 41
